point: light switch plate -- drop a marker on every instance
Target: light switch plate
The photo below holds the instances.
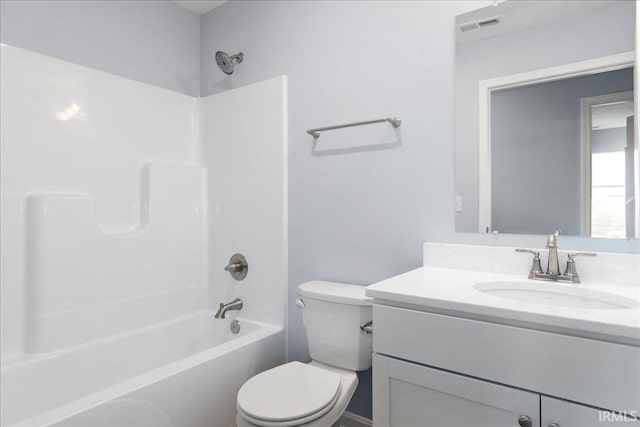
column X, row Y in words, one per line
column 458, row 203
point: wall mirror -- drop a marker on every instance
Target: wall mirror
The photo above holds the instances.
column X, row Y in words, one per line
column 544, row 119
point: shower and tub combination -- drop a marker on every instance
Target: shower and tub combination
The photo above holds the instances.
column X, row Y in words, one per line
column 120, row 210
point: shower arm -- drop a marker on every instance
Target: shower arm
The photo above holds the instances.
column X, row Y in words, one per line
column 237, row 58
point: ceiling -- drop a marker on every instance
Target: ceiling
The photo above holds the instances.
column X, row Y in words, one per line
column 518, row 15
column 200, row 6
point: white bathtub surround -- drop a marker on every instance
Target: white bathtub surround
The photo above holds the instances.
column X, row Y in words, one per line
column 72, row 131
column 109, row 188
column 69, row 128
column 447, row 282
column 12, row 271
column 182, row 381
column 243, row 136
column 84, row 284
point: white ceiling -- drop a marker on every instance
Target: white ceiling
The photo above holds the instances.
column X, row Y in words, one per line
column 200, row 6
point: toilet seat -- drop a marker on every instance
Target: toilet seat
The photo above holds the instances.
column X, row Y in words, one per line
column 292, row 422
column 289, row 395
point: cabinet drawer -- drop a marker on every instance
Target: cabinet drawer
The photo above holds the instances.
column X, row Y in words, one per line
column 410, row 395
column 597, row 373
column 556, row 412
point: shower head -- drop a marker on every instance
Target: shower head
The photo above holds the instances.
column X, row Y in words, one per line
column 228, row 62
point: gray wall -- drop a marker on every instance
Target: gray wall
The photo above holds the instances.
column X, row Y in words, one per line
column 535, row 152
column 592, row 34
column 156, row 42
column 359, row 215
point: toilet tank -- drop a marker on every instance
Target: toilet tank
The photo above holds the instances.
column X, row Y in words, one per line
column 332, row 314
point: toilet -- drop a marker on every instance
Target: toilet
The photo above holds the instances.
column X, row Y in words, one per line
column 314, row 394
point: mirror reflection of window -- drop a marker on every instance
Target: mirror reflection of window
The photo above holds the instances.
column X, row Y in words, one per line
column 612, row 167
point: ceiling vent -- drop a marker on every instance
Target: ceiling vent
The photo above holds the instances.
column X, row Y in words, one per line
column 476, row 25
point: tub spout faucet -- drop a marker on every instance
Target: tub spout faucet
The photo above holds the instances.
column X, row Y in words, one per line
column 236, row 304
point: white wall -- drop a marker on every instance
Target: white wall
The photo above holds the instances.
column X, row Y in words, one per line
column 152, row 41
column 587, row 35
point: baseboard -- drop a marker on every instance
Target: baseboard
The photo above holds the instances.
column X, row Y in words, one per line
column 349, row 419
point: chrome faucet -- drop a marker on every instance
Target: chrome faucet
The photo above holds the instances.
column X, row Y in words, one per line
column 553, row 268
column 236, row 304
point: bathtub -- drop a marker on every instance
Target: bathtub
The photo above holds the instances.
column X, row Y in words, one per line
column 183, row 372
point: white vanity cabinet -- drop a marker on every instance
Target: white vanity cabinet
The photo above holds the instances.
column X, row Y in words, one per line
column 443, row 370
column 411, row 395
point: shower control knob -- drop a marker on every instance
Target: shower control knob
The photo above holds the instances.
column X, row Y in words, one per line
column 524, row 421
column 237, row 267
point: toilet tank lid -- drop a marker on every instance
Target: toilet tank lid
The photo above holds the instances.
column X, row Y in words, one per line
column 335, row 292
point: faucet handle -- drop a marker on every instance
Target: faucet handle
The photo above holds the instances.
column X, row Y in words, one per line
column 536, row 268
column 529, row 251
column 571, row 271
column 237, row 266
column 572, row 256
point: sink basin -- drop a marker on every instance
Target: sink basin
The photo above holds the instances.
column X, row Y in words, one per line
column 557, row 295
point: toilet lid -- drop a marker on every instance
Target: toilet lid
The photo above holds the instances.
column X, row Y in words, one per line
column 289, row 392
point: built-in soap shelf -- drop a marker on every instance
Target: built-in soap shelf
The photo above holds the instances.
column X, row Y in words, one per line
column 85, row 282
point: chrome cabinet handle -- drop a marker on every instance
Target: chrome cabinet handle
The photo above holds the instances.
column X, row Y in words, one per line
column 367, row 327
column 554, row 425
column 524, row 421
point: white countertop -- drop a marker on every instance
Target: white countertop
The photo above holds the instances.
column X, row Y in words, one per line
column 451, row 291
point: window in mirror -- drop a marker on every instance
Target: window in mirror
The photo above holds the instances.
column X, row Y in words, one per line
column 611, row 140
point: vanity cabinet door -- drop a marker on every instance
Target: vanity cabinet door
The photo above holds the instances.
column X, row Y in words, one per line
column 410, row 395
column 560, row 413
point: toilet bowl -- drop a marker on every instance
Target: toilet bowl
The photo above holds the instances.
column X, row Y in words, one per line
column 314, row 394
